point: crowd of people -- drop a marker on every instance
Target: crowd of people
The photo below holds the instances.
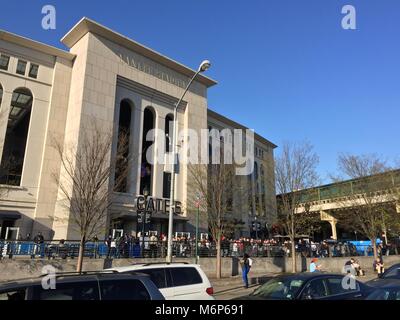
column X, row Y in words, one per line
column 153, row 246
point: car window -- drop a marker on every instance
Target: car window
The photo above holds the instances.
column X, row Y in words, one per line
column 123, row 290
column 315, row 289
column 335, row 286
column 80, row 290
column 13, row 295
column 279, row 288
column 185, row 276
column 394, row 273
column 385, row 294
column 157, row 276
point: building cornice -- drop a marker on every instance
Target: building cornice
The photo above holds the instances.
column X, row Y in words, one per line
column 86, row 25
column 38, row 46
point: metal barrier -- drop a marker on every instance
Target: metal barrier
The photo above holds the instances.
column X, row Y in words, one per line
column 152, row 249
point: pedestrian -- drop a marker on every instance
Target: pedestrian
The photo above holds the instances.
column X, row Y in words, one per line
column 108, row 244
column 153, row 245
column 379, row 267
column 314, row 267
column 246, row 264
column 38, row 245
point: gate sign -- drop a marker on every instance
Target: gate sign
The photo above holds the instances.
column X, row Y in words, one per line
column 154, row 205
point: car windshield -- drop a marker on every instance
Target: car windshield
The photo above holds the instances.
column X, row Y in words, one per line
column 385, row 294
column 279, row 288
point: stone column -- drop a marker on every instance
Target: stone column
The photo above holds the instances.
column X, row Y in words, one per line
column 333, row 226
column 333, row 221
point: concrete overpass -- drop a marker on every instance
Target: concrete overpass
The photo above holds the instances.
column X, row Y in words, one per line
column 380, row 188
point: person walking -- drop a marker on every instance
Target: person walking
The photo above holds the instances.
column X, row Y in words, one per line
column 246, row 264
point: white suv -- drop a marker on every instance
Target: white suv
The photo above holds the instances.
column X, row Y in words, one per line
column 176, row 281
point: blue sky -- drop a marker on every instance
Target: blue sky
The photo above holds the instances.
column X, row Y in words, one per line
column 285, row 68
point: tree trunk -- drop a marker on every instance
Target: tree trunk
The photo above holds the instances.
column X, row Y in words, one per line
column 81, row 253
column 375, row 248
column 218, row 274
column 294, row 258
column 293, row 238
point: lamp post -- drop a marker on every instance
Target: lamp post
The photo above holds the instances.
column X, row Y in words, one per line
column 203, row 67
column 145, row 194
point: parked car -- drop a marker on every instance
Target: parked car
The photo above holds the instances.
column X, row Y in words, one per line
column 176, row 281
column 308, row 286
column 385, row 289
column 391, row 273
column 84, row 286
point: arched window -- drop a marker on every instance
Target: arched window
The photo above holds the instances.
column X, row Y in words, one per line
column 146, row 168
column 12, row 161
column 169, row 119
column 122, row 161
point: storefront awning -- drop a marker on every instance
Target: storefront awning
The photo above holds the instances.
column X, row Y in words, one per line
column 9, row 214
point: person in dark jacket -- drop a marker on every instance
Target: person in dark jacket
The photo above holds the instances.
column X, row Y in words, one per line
column 39, row 245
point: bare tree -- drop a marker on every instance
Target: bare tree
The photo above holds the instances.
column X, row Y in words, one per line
column 84, row 181
column 218, row 187
column 295, row 170
column 369, row 203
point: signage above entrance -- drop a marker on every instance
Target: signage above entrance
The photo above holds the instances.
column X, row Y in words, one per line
column 154, row 205
column 136, row 63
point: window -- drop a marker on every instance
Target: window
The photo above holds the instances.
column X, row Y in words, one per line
column 185, row 276
column 315, row 289
column 169, row 120
column 81, row 290
column 393, row 273
column 12, row 160
column 146, row 168
column 33, row 70
column 157, row 276
column 335, row 286
column 14, row 295
column 21, row 67
column 4, row 61
column 123, row 290
column 122, row 161
column 167, row 185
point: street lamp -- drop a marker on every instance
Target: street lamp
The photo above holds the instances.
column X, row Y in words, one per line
column 205, row 65
column 144, row 214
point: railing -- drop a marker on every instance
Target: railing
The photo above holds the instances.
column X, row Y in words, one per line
column 181, row 249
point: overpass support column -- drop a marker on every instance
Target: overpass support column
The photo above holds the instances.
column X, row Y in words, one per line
column 332, row 220
column 333, row 226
